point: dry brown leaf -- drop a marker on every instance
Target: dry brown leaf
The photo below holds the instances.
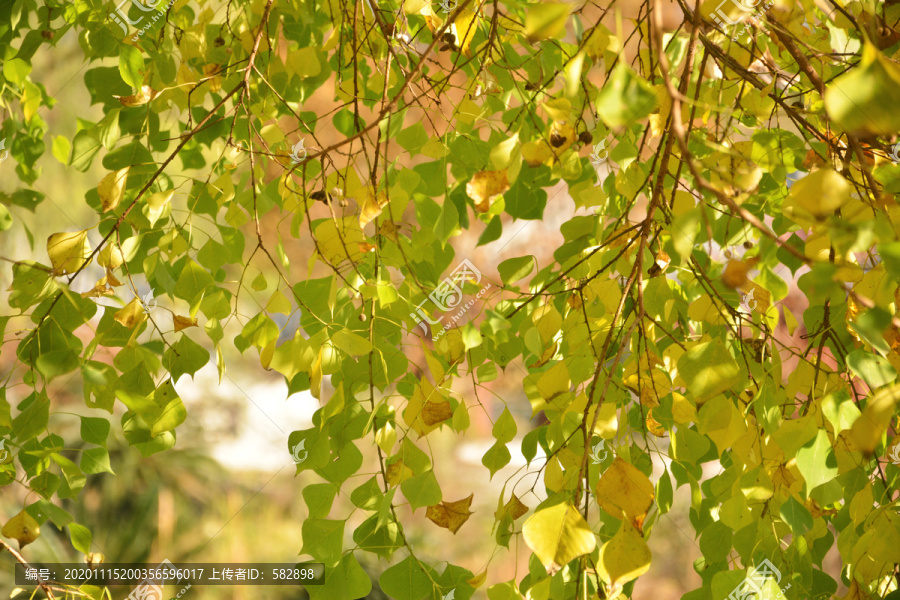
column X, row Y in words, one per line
column 450, row 515
column 484, row 188
column 366, row 247
column 436, row 412
column 514, row 508
column 146, row 94
column 183, row 322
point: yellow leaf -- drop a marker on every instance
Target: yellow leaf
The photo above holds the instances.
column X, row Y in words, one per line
column 110, row 257
column 562, row 135
column 623, row 491
column 132, row 314
column 426, row 409
column 450, row 515
column 477, row 581
column 486, row 186
column 371, row 207
column 466, row 26
column 68, row 251
column 22, row 528
column 111, row 189
column 623, row 558
column 557, row 535
column 339, row 240
column 536, row 153
column 143, row 97
column 867, row 430
column 183, row 322
column 816, row 196
column 546, row 20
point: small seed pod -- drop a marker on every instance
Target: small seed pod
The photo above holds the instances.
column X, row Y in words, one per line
column 748, row 245
column 362, row 317
column 557, row 140
column 320, row 196
column 585, row 137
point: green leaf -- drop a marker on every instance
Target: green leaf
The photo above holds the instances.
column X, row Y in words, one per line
column 709, row 370
column 625, row 98
column 131, row 65
column 422, row 490
column 96, row 460
column 32, row 421
column 351, row 343
column 504, row 430
column 16, row 70
column 185, row 357
column 94, row 430
column 81, row 537
column 546, row 20
column 871, row 368
column 346, row 580
column 193, row 280
column 816, row 461
column 797, row 516
column 862, row 100
column 323, row 539
column 496, row 458
column 406, row 580
column 514, row 269
column 558, row 535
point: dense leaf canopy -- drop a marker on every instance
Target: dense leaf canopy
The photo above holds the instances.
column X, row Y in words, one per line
column 306, row 183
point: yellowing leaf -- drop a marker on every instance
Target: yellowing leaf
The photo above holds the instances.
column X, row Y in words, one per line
column 339, row 240
column 623, row 491
column 865, row 98
column 156, row 205
column 397, row 473
column 110, row 257
column 623, row 558
column 371, row 207
column 131, row 315
column 466, row 25
column 68, row 251
column 434, row 413
column 536, row 153
column 183, row 322
column 485, row 186
column 143, row 97
column 111, row 189
column 867, row 430
column 546, row 20
column 22, row 528
column 450, row 515
column 818, row 195
column 557, row 535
